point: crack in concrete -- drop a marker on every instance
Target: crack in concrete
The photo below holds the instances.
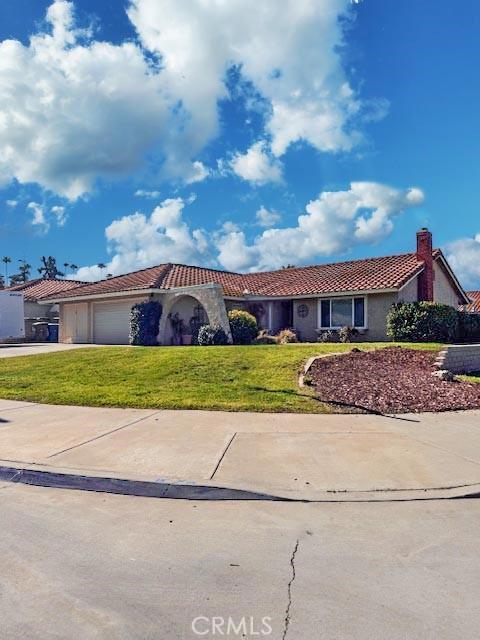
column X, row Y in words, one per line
column 289, row 591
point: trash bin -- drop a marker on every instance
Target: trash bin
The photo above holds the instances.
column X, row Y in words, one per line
column 40, row 331
column 52, row 332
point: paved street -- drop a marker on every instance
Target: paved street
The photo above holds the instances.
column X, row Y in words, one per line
column 86, row 565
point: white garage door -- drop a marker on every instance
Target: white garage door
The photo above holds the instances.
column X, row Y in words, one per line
column 111, row 322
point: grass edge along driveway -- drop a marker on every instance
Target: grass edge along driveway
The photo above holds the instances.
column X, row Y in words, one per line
column 232, row 378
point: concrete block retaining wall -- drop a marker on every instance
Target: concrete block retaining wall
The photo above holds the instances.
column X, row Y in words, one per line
column 461, row 358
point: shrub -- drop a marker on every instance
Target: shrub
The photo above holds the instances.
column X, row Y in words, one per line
column 265, row 338
column 347, row 333
column 329, row 335
column 243, row 326
column 468, row 326
column 422, row 322
column 286, row 336
column 210, row 334
column 144, row 323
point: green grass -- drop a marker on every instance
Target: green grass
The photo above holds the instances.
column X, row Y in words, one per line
column 472, row 377
column 240, row 378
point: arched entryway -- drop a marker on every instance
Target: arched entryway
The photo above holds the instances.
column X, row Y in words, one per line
column 183, row 319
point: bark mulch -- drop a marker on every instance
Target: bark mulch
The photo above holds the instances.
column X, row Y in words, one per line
column 390, row 380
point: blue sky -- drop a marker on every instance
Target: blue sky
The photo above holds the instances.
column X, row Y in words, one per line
column 135, row 133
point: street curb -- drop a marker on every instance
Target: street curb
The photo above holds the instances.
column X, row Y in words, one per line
column 141, row 488
column 185, row 491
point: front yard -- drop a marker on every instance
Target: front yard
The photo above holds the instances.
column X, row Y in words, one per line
column 233, row 378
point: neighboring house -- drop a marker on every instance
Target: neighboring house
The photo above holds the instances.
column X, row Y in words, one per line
column 33, row 291
column 474, row 304
column 309, row 299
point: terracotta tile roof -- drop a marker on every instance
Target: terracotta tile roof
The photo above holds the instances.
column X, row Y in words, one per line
column 33, row 290
column 390, row 272
column 474, row 306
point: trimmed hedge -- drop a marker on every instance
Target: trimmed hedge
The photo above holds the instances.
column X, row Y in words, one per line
column 468, row 326
column 144, row 323
column 422, row 322
column 210, row 334
column 243, row 326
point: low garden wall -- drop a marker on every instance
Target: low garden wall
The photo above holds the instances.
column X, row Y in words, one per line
column 460, row 358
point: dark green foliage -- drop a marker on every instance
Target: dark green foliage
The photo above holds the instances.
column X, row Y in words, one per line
column 243, row 326
column 422, row 322
column 468, row 327
column 144, row 323
column 210, row 334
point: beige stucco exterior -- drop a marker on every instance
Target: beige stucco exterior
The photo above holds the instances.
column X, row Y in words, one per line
column 77, row 318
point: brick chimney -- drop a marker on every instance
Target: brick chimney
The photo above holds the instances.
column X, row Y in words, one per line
column 424, row 253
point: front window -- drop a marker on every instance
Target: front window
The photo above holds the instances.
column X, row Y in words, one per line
column 336, row 313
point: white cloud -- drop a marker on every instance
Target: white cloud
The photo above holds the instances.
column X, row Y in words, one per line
column 152, row 195
column 464, row 257
column 291, row 56
column 333, row 223
column 12, row 203
column 60, row 214
column 38, row 216
column 257, row 165
column 74, row 109
column 266, row 218
column 137, row 241
column 198, row 173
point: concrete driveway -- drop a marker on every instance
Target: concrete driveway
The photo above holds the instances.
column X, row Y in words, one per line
column 310, row 457
column 33, row 348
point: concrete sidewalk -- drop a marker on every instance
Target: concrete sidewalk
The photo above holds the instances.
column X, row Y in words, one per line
column 35, row 348
column 288, row 456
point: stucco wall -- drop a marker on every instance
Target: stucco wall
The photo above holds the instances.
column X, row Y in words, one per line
column 409, row 293
column 442, row 289
column 378, row 307
column 306, row 328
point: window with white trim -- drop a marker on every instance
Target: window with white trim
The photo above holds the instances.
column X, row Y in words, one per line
column 335, row 313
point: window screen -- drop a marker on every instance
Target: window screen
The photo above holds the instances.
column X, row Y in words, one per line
column 359, row 312
column 341, row 313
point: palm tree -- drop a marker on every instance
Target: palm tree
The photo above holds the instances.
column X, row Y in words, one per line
column 6, row 260
column 24, row 270
column 101, row 266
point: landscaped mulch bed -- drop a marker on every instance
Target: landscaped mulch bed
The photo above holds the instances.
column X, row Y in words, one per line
column 390, row 380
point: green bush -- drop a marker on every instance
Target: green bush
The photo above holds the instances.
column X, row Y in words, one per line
column 468, row 327
column 144, row 323
column 210, row 334
column 422, row 322
column 243, row 326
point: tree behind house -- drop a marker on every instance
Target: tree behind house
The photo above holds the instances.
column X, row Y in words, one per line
column 49, row 270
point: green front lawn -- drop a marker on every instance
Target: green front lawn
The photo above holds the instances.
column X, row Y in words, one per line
column 251, row 378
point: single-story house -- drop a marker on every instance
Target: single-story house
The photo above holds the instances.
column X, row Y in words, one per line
column 474, row 304
column 310, row 299
column 35, row 290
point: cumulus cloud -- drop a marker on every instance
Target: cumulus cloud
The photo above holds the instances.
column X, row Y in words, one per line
column 257, row 165
column 333, row 223
column 266, row 218
column 38, row 216
column 152, row 195
column 74, row 109
column 464, row 257
column 60, row 214
column 291, row 57
column 12, row 203
column 137, row 241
